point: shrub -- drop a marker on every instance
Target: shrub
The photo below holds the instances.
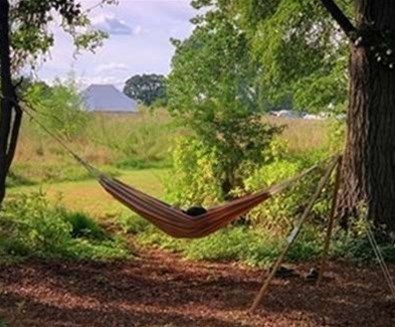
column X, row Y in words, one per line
column 60, row 108
column 254, row 246
column 33, row 228
column 277, row 212
column 193, row 177
column 83, row 226
column 132, row 224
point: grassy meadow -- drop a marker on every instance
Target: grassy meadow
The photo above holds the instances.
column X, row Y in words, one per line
column 138, row 149
column 46, row 182
column 116, row 143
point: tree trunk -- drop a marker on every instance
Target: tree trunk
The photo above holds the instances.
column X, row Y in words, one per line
column 11, row 113
column 369, row 161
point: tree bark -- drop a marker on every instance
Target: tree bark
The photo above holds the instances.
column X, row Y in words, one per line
column 11, row 113
column 369, row 160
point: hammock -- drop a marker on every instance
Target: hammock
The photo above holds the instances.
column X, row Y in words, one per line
column 179, row 224
column 170, row 220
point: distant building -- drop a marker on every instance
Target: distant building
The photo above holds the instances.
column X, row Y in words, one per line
column 107, row 98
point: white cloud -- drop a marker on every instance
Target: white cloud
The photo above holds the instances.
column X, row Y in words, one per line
column 151, row 23
column 112, row 66
column 110, row 24
column 114, row 80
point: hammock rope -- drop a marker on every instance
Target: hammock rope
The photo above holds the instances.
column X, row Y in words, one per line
column 380, row 258
column 171, row 220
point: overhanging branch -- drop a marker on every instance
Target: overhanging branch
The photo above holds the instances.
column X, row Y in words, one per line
column 340, row 18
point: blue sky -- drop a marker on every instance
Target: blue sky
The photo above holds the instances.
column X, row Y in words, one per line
column 139, row 33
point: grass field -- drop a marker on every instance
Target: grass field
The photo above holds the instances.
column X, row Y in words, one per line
column 124, row 145
column 88, row 196
column 127, row 146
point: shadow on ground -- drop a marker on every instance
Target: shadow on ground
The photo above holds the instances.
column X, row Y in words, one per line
column 159, row 289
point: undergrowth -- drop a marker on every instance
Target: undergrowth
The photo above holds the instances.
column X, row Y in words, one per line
column 31, row 227
column 257, row 246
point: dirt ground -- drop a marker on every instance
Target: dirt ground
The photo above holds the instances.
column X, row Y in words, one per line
column 160, row 289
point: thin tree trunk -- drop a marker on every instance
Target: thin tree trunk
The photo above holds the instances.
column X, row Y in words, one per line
column 369, row 160
column 11, row 114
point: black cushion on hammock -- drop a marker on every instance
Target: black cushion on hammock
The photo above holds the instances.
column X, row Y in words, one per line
column 195, row 211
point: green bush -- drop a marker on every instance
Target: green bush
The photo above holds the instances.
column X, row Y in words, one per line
column 59, row 108
column 355, row 244
column 278, row 212
column 132, row 224
column 31, row 227
column 254, row 246
column 192, row 180
column 83, row 226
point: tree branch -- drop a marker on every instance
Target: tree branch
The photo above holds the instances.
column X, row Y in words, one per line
column 16, row 126
column 340, row 18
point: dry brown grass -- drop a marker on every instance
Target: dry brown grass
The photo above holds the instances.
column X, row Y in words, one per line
column 107, row 139
column 302, row 135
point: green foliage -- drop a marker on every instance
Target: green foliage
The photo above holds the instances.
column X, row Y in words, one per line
column 132, row 224
column 355, row 245
column 59, row 108
column 296, row 44
column 213, row 90
column 147, row 89
column 256, row 247
column 31, row 37
column 194, row 178
column 31, row 227
column 83, row 226
column 277, row 213
column 337, row 135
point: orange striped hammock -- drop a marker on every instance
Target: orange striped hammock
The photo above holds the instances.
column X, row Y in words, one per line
column 179, row 224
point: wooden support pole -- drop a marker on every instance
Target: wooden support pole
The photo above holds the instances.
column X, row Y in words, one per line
column 331, row 221
column 294, row 234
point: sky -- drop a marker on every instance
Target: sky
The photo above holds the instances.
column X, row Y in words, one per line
column 139, row 42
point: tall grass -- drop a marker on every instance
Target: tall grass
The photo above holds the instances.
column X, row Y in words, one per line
column 303, row 135
column 124, row 141
column 128, row 141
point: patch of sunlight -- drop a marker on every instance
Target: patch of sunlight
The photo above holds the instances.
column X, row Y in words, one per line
column 88, row 196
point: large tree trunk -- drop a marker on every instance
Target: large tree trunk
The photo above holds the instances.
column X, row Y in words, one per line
column 11, row 113
column 369, row 161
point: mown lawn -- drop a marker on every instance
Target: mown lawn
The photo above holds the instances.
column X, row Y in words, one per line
column 89, row 197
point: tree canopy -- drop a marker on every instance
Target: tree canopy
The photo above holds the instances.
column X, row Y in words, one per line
column 298, row 47
column 146, row 88
column 213, row 88
column 30, row 25
column 25, row 38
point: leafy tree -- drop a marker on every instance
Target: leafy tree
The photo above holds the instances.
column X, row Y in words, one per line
column 60, row 107
column 147, row 89
column 25, row 36
column 302, row 50
column 213, row 90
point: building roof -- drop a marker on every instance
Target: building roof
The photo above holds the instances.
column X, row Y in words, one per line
column 107, row 98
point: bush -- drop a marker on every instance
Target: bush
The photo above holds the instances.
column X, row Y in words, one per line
column 277, row 213
column 59, row 108
column 192, row 180
column 253, row 246
column 132, row 224
column 33, row 228
column 355, row 244
column 83, row 226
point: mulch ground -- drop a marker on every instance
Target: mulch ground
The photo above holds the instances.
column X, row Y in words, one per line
column 160, row 289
